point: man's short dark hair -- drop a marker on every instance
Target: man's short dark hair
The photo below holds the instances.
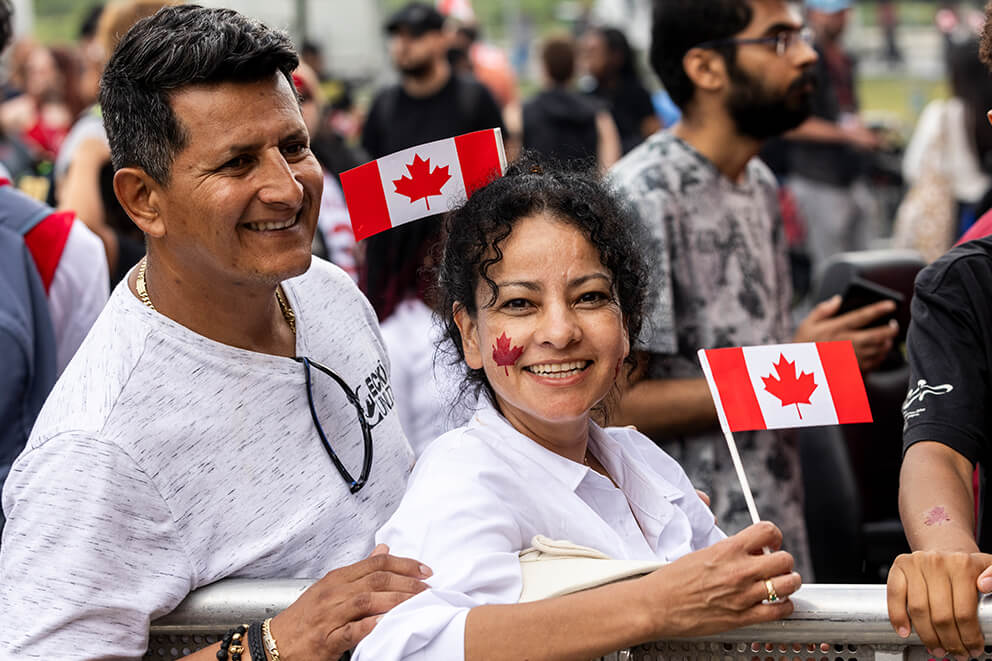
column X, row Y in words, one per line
column 178, row 47
column 558, row 56
column 680, row 25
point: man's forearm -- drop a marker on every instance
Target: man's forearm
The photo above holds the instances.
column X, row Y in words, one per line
column 668, row 407
column 936, row 501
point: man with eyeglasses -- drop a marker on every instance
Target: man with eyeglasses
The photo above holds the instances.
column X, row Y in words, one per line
column 741, row 71
column 230, row 413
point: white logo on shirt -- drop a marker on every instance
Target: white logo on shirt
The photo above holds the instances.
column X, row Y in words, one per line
column 918, row 393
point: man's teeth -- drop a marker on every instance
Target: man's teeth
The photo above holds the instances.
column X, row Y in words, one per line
column 263, row 227
column 559, row 370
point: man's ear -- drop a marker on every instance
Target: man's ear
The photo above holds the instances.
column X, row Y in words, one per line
column 140, row 196
column 468, row 329
column 706, row 69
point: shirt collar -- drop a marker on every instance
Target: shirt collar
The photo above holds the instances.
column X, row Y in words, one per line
column 532, row 455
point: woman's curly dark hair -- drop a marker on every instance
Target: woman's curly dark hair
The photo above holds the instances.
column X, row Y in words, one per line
column 476, row 232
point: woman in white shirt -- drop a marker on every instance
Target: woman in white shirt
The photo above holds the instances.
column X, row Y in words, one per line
column 542, row 287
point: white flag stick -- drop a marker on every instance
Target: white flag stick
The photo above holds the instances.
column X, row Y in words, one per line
column 731, row 444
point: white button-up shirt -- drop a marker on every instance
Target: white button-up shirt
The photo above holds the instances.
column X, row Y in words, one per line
column 480, row 493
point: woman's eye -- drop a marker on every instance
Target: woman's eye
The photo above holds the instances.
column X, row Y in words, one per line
column 594, row 297
column 517, row 304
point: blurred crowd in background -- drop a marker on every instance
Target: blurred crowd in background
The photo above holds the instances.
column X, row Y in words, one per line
column 898, row 152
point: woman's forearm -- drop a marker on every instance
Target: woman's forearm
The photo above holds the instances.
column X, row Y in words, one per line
column 576, row 627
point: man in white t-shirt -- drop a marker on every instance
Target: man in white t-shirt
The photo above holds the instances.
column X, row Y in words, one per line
column 230, row 413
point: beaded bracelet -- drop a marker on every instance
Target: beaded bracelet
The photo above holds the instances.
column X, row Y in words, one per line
column 270, row 642
column 255, row 642
column 231, row 644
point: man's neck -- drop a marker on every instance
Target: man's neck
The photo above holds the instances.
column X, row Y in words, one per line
column 430, row 83
column 247, row 316
column 716, row 138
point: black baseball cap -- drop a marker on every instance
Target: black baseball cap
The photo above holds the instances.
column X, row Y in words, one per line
column 417, row 17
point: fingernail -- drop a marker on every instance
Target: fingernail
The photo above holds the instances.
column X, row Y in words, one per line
column 379, row 619
column 903, row 632
column 976, row 654
column 939, row 653
column 834, row 299
column 893, row 323
column 985, row 584
column 425, row 571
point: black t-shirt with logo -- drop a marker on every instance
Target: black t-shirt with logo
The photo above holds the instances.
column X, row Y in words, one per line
column 949, row 346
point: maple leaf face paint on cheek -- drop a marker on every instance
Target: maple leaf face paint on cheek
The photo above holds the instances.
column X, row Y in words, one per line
column 505, row 356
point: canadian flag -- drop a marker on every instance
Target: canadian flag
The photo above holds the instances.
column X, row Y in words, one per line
column 421, row 181
column 786, row 385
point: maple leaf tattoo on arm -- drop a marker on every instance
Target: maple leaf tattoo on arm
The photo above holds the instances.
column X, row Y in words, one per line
column 789, row 388
column 936, row 516
column 503, row 354
column 422, row 182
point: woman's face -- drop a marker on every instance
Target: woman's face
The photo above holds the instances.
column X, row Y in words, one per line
column 553, row 341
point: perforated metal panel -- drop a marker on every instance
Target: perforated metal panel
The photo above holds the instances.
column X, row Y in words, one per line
column 165, row 647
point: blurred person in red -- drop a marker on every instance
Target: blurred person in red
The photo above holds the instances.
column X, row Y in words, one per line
column 85, row 149
column 334, row 240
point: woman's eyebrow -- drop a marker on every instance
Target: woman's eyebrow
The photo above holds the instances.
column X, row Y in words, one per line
column 581, row 280
column 526, row 284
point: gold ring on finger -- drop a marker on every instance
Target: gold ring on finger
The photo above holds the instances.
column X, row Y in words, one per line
column 772, row 595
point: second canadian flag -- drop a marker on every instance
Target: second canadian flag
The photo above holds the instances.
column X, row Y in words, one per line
column 421, row 181
column 786, row 385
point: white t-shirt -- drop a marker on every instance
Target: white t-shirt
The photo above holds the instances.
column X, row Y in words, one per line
column 79, row 291
column 480, row 493
column 164, row 461
column 427, row 386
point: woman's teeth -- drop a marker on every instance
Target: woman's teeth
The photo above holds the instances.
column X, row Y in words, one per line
column 559, row 370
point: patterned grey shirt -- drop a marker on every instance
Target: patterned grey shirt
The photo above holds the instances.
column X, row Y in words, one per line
column 722, row 279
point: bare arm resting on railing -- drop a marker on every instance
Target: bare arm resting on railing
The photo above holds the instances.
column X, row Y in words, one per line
column 337, row 611
column 715, row 589
column 935, row 589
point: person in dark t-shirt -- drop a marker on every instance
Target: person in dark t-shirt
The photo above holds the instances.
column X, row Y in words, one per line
column 430, row 102
column 563, row 124
column 948, row 431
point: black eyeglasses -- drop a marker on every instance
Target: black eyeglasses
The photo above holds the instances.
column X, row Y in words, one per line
column 353, row 484
column 783, row 40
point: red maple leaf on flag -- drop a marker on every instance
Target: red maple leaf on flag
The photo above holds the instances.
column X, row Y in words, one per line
column 787, row 387
column 422, row 182
column 503, row 354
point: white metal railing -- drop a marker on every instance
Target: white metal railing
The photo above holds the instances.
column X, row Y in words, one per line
column 830, row 623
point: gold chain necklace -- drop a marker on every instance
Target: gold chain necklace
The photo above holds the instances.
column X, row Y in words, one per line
column 142, row 288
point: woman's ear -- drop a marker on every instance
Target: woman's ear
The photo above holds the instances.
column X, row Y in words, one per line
column 469, row 331
column 139, row 195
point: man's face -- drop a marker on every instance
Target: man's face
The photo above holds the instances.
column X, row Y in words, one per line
column 242, row 201
column 416, row 55
column 769, row 93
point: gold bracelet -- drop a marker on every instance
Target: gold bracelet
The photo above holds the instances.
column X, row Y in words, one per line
column 270, row 642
